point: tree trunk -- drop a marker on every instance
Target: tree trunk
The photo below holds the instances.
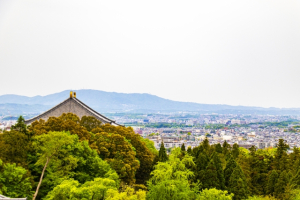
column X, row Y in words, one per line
column 38, row 187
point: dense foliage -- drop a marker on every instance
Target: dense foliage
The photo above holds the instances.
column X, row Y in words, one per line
column 71, row 158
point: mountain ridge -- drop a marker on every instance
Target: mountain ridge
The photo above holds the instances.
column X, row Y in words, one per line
column 103, row 101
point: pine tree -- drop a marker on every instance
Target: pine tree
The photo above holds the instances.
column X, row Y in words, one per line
column 162, row 155
column 189, row 151
column 210, row 179
column 238, row 185
column 272, row 182
column 281, row 157
column 230, row 166
column 235, row 150
column 295, row 181
column 182, row 147
column 219, row 148
column 280, row 186
column 206, row 145
column 201, row 165
column 226, row 148
column 220, row 171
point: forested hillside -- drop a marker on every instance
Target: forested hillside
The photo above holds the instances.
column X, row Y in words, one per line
column 72, row 158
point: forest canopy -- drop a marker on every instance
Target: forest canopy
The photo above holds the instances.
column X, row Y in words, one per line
column 71, row 158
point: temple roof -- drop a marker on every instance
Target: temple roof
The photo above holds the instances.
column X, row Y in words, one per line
column 72, row 105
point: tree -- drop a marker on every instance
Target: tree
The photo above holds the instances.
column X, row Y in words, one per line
column 162, row 157
column 220, row 172
column 210, row 179
column 66, row 122
column 143, row 153
column 170, row 179
column 189, row 151
column 21, row 127
column 281, row 157
column 219, row 148
column 49, row 146
column 128, row 194
column 214, row 194
column 226, row 148
column 230, row 166
column 72, row 189
column 281, row 184
column 75, row 161
column 272, row 182
column 235, row 150
column 14, row 147
column 14, row 181
column 119, row 153
column 90, row 123
column 238, row 185
column 183, row 147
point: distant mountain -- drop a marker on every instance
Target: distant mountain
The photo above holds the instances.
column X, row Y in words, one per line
column 121, row 102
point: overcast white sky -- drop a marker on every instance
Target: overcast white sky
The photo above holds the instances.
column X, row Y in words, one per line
column 236, row 52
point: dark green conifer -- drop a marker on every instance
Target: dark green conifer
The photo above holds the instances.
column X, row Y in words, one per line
column 295, row 182
column 206, row 145
column 272, row 182
column 201, row 163
column 21, row 127
column 280, row 186
column 220, row 172
column 238, row 185
column 162, row 154
column 219, row 148
column 230, row 166
column 235, row 150
column 281, row 157
column 182, row 147
column 210, row 179
column 226, row 148
column 189, row 151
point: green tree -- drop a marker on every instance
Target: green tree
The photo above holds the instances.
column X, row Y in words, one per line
column 272, row 182
column 14, row 147
column 66, row 122
column 72, row 189
column 281, row 157
column 77, row 161
column 183, row 147
column 226, row 148
column 230, row 166
column 15, row 181
column 220, row 172
column 281, row 184
column 20, row 126
column 238, row 185
column 219, row 148
column 235, row 150
column 49, row 146
column 143, row 153
column 189, row 151
column 90, row 123
column 211, row 179
column 214, row 194
column 162, row 157
column 119, row 153
column 170, row 180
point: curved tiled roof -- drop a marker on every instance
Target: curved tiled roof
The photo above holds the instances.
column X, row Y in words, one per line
column 81, row 104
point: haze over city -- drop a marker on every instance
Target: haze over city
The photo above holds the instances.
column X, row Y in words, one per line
column 217, row 52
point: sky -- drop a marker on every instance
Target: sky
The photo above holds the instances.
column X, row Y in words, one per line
column 216, row 52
